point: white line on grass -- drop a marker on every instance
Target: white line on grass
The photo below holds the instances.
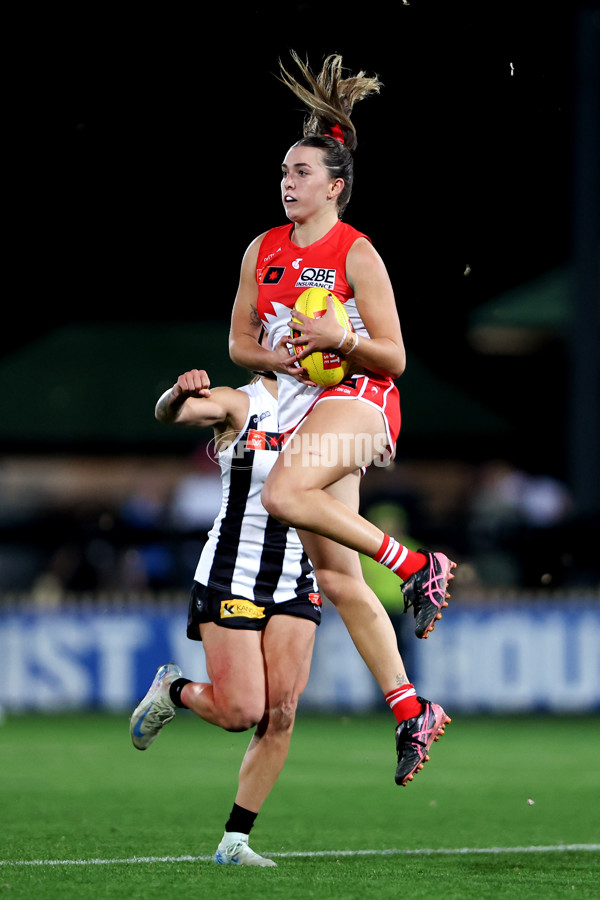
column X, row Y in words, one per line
column 422, row 851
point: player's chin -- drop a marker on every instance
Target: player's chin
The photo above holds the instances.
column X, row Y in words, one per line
column 291, row 211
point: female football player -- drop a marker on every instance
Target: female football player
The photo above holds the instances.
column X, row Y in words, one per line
column 335, row 432
column 254, row 603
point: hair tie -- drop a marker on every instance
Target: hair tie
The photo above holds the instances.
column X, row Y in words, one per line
column 338, row 134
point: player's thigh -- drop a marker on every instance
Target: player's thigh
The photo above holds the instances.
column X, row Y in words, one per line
column 288, row 643
column 234, row 660
column 336, row 438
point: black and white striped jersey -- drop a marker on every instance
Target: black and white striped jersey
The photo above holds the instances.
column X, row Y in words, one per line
column 248, row 552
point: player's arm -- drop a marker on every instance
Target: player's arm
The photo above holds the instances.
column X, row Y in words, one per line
column 191, row 402
column 245, row 328
column 383, row 351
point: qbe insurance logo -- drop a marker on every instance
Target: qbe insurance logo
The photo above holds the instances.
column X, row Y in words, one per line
column 315, row 277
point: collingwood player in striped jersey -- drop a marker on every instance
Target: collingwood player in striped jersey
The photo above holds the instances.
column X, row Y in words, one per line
column 250, row 554
column 254, row 603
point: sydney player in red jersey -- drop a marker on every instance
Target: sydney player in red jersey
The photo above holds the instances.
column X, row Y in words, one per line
column 316, row 491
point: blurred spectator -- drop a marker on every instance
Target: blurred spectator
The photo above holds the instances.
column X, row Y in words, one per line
column 512, row 515
column 196, row 499
column 147, row 558
column 145, row 507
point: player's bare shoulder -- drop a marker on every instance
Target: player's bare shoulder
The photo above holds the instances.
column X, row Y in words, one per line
column 235, row 404
column 250, row 258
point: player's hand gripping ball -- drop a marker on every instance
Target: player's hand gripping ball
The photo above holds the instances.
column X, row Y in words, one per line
column 324, row 367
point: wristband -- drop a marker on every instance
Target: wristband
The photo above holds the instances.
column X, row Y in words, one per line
column 343, row 339
column 354, row 345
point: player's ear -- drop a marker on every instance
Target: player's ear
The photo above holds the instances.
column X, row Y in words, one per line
column 335, row 188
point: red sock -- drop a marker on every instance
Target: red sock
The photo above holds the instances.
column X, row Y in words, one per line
column 403, row 702
column 399, row 559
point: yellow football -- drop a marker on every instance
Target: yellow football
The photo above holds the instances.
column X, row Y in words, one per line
column 324, row 367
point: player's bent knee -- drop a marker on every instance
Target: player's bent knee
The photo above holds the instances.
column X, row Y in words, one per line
column 237, row 723
column 332, row 584
column 277, row 501
column 282, row 715
column 342, row 589
column 241, row 718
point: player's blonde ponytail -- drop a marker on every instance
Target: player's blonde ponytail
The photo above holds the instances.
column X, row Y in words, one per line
column 329, row 98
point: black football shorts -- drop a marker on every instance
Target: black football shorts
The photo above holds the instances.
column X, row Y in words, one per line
column 208, row 604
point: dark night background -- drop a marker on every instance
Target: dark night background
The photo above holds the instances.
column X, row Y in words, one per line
column 152, row 143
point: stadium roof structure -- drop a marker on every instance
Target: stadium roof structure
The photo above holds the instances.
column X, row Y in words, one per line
column 522, row 319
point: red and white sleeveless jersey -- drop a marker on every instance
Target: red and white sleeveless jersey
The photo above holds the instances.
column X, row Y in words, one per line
column 283, row 271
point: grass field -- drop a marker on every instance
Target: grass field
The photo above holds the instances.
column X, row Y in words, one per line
column 507, row 807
